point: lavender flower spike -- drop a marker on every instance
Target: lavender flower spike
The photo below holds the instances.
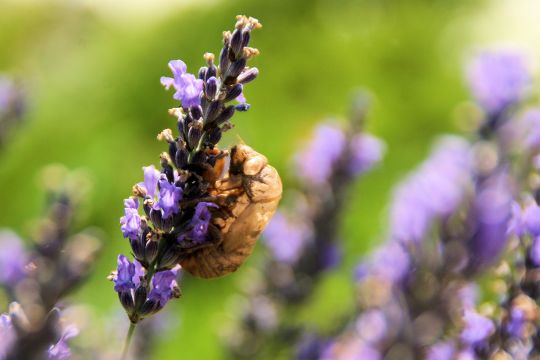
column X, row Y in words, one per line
column 498, row 80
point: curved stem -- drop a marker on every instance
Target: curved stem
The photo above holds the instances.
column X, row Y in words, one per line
column 128, row 340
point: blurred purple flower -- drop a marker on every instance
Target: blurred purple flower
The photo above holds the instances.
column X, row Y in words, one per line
column 491, row 215
column 7, row 335
column 131, row 221
column 371, row 325
column 188, row 88
column 517, row 322
column 477, row 328
column 525, row 221
column 13, row 258
column 61, row 350
column 316, row 161
column 169, row 197
column 435, row 190
column 353, row 348
column 390, row 261
column 534, row 252
column 164, row 286
column 367, row 151
column 285, row 239
column 128, row 274
column 444, row 350
column 498, row 79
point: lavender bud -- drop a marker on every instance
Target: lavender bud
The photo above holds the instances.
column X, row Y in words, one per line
column 233, row 92
column 196, row 112
column 236, row 42
column 194, row 135
column 214, row 135
column 169, row 259
column 225, row 115
column 211, row 87
column 140, row 296
column 248, row 75
column 211, row 72
column 149, row 307
column 236, row 68
column 213, row 111
column 199, row 157
column 126, row 300
column 138, row 248
column 246, row 35
column 151, row 251
column 224, row 59
column 180, row 125
column 202, row 72
column 242, row 107
column 156, row 218
column 181, row 158
column 172, row 149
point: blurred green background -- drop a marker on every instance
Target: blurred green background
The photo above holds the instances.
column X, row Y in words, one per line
column 92, row 70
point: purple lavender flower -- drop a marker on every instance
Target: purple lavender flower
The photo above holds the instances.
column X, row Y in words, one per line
column 526, row 132
column 477, row 328
column 491, row 214
column 517, row 322
column 534, row 251
column 131, row 221
column 285, row 239
column 188, row 88
column 351, row 349
column 525, row 221
column 445, row 177
column 444, row 350
column 390, row 262
column 367, row 151
column 128, row 274
column 151, row 178
column 7, row 335
column 164, row 286
column 169, row 197
column 13, row 258
column 372, row 325
column 315, row 163
column 61, row 350
column 498, row 79
column 201, row 220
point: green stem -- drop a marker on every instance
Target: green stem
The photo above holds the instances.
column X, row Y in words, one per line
column 128, row 340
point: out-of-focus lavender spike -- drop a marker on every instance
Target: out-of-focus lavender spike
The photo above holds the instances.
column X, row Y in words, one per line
column 498, row 79
column 12, row 106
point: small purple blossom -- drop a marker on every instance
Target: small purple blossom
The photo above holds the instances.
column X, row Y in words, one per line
column 61, row 350
column 491, row 215
column 13, row 258
column 169, row 197
column 498, row 79
column 517, row 322
column 128, row 274
column 525, row 221
column 444, row 350
column 164, row 286
column 285, row 239
column 477, row 328
column 200, row 221
column 131, row 221
column 188, row 88
column 316, row 162
column 367, row 151
column 444, row 176
column 7, row 335
column 151, row 178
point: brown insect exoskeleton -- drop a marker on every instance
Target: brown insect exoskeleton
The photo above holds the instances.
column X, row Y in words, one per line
column 247, row 196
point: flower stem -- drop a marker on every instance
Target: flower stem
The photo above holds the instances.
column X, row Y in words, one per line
column 128, row 340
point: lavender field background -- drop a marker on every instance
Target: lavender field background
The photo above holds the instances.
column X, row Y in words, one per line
column 91, row 74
